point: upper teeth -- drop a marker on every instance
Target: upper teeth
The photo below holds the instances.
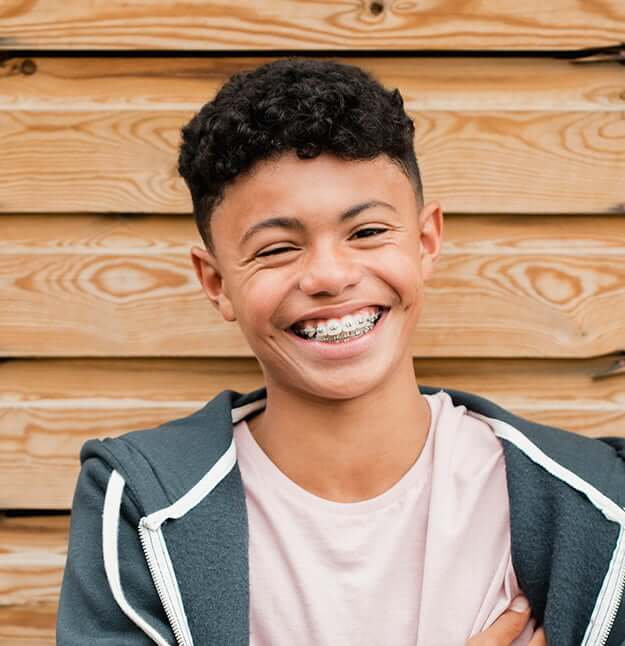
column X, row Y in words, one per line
column 346, row 324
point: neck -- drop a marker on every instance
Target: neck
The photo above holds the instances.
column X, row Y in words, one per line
column 345, row 450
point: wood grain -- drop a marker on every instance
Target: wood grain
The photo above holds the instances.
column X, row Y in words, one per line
column 474, row 162
column 520, row 310
column 504, row 286
column 520, row 136
column 85, row 83
column 311, row 25
column 49, row 408
column 32, row 557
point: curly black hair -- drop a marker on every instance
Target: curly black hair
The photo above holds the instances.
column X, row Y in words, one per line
column 307, row 105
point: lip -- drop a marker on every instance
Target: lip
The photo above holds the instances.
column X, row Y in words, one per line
column 336, row 311
column 343, row 350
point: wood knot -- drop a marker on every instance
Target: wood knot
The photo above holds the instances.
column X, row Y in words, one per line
column 376, row 8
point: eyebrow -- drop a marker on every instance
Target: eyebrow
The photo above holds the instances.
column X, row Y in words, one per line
column 295, row 224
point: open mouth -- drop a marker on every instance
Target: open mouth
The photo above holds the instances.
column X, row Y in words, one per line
column 340, row 330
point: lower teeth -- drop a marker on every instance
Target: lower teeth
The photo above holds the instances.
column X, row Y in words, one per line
column 343, row 338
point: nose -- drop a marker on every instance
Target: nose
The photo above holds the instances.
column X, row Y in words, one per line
column 329, row 271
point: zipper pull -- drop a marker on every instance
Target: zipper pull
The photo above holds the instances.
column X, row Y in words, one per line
column 151, row 522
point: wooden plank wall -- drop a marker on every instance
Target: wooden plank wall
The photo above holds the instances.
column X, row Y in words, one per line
column 103, row 327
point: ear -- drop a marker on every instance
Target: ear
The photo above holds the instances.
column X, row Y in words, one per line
column 212, row 281
column 431, row 236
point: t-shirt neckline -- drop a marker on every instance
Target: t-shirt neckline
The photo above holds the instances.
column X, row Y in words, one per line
column 283, row 485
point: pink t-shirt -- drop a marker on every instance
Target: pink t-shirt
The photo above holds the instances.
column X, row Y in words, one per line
column 425, row 563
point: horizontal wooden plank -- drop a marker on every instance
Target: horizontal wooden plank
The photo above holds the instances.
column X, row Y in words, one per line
column 86, row 83
column 49, row 408
column 33, row 551
column 492, row 136
column 504, row 286
column 482, row 147
column 474, row 162
column 31, row 625
column 310, row 26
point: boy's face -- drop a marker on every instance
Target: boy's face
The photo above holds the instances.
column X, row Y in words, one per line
column 316, row 239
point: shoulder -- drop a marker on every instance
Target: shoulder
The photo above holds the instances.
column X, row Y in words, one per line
column 531, row 447
column 454, row 420
column 565, row 454
column 467, row 445
column 161, row 463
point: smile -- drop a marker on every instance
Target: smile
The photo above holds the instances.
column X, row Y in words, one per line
column 341, row 330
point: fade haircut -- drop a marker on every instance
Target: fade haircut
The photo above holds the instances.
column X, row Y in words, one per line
column 293, row 104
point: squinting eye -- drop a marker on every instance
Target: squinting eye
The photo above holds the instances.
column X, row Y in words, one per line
column 369, row 231
column 272, row 252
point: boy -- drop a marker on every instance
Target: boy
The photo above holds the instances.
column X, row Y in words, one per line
column 341, row 503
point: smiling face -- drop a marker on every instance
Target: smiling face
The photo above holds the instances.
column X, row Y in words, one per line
column 299, row 242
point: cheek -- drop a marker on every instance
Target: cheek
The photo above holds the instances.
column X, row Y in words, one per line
column 262, row 297
column 401, row 272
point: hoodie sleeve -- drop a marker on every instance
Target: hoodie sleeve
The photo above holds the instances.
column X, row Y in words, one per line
column 88, row 612
column 617, row 443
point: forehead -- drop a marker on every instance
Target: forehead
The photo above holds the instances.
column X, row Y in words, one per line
column 307, row 188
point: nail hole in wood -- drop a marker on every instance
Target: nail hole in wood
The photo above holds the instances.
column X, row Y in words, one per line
column 28, row 67
column 376, row 8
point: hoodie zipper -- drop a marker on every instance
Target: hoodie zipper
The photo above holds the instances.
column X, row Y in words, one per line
column 161, row 570
column 155, row 548
column 612, row 596
column 613, row 610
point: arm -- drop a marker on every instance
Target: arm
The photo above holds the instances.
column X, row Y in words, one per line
column 87, row 611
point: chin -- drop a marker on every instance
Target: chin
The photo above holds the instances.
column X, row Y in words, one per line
column 339, row 389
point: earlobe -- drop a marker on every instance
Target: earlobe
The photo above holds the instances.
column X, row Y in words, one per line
column 212, row 282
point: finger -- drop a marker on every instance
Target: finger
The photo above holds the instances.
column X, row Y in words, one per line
column 538, row 639
column 508, row 627
column 511, row 623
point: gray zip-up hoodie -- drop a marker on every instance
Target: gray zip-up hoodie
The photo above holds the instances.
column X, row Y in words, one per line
column 158, row 547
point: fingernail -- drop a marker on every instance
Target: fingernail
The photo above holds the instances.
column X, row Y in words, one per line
column 520, row 603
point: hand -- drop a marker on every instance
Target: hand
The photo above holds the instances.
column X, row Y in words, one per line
column 508, row 627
